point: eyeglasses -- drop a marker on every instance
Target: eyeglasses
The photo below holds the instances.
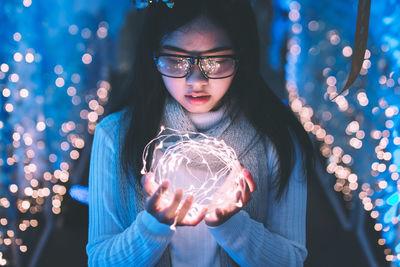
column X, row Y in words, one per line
column 212, row 67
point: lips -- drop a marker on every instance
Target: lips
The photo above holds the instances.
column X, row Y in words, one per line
column 197, row 99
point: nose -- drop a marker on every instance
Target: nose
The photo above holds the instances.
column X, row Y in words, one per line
column 195, row 77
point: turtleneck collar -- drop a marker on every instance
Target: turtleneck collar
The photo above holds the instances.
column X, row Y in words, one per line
column 206, row 120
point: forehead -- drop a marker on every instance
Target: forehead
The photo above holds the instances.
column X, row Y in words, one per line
column 199, row 35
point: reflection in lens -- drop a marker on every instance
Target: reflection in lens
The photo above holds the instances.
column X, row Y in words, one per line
column 218, row 67
column 173, row 66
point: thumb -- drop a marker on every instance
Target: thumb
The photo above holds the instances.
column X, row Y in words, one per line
column 249, row 179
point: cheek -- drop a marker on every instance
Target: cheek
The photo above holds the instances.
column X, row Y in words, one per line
column 173, row 85
column 222, row 86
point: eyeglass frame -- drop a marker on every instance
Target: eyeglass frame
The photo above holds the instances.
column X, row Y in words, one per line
column 196, row 60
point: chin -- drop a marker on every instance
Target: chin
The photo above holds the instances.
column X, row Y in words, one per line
column 197, row 109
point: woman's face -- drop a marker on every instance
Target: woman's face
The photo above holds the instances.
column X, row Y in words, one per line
column 195, row 92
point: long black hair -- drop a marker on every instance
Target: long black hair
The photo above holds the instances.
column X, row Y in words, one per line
column 143, row 94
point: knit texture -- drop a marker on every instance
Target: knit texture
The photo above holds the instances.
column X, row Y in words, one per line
column 264, row 233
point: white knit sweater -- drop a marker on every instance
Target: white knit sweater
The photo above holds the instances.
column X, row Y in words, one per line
column 141, row 240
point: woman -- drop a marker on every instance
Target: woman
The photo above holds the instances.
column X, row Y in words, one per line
column 197, row 69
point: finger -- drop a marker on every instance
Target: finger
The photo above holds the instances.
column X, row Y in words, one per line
column 219, row 213
column 238, row 195
column 246, row 193
column 249, row 180
column 149, row 185
column 210, row 216
column 238, row 202
column 241, row 165
column 214, row 216
column 155, row 198
column 185, row 208
column 143, row 179
column 199, row 218
column 145, row 176
column 243, row 188
column 171, row 210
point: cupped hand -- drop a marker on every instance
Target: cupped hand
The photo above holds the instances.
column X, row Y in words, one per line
column 167, row 209
column 243, row 195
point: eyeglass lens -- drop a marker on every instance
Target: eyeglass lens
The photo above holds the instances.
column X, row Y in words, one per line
column 212, row 67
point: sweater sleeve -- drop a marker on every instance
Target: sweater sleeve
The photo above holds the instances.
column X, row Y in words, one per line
column 111, row 243
column 281, row 242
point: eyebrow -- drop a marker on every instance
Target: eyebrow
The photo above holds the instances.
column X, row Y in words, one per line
column 177, row 49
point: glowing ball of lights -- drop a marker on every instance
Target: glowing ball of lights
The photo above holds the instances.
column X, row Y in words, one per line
column 202, row 166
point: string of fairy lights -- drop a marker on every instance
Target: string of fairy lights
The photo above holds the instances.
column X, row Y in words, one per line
column 358, row 131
